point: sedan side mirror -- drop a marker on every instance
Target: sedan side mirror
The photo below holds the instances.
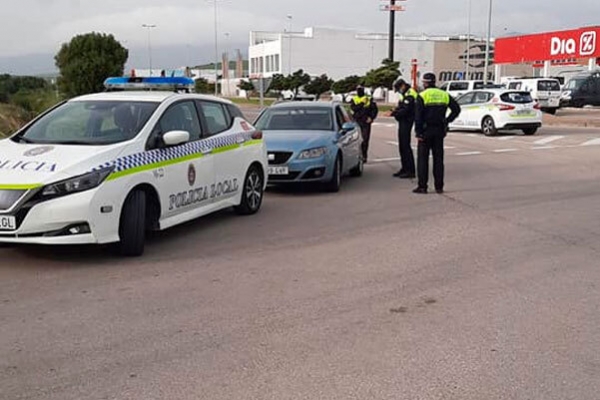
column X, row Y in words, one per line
column 348, row 127
column 174, row 138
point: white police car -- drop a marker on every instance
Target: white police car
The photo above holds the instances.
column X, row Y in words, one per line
column 493, row 110
column 108, row 167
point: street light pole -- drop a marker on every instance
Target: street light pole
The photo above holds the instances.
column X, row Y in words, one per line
column 149, row 27
column 487, row 44
column 392, row 30
column 216, row 51
column 290, row 19
column 469, row 42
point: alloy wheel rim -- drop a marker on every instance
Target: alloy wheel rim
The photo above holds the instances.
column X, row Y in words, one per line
column 254, row 190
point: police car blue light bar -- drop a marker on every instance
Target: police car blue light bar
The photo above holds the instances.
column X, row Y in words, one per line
column 149, row 83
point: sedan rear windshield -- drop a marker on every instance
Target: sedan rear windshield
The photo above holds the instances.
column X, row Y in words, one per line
column 90, row 123
column 296, row 119
column 517, row 97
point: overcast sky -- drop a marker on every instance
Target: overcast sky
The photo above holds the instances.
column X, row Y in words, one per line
column 33, row 30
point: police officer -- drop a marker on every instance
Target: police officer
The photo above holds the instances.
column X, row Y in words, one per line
column 364, row 112
column 404, row 113
column 431, row 125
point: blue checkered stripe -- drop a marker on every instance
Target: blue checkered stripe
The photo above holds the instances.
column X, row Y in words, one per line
column 172, row 153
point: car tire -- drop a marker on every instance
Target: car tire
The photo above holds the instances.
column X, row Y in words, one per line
column 132, row 226
column 334, row 185
column 358, row 170
column 488, row 126
column 252, row 192
column 530, row 131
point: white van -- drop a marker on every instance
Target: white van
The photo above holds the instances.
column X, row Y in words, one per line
column 546, row 91
column 458, row 88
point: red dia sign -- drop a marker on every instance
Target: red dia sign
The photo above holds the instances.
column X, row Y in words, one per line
column 551, row 46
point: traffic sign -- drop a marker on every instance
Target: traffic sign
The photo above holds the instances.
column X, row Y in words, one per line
column 388, row 7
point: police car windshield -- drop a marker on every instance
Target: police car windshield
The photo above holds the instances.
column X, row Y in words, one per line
column 90, row 123
column 296, row 119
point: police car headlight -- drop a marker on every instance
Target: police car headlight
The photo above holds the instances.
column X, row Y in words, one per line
column 313, row 153
column 77, row 184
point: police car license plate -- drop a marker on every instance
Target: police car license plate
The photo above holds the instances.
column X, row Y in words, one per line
column 278, row 170
column 8, row 223
column 524, row 112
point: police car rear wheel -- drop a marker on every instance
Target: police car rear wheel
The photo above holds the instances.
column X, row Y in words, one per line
column 253, row 192
column 489, row 127
column 132, row 228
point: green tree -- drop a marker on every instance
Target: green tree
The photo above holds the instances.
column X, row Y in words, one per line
column 246, row 86
column 318, row 86
column 297, row 80
column 279, row 83
column 347, row 84
column 87, row 60
column 383, row 76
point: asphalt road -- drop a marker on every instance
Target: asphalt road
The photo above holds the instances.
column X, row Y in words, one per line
column 491, row 291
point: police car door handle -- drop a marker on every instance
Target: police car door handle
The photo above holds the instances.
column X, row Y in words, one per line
column 207, row 151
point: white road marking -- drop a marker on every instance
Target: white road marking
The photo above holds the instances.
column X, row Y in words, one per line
column 544, row 148
column 382, row 160
column 392, row 143
column 472, row 135
column 449, row 147
column 505, row 150
column 469, row 153
column 549, row 139
column 506, row 138
column 593, row 142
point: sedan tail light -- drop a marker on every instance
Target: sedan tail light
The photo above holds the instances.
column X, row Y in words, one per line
column 537, row 106
column 257, row 135
column 505, row 107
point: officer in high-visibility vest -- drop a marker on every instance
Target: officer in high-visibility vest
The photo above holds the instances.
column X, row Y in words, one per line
column 431, row 126
column 404, row 113
column 364, row 112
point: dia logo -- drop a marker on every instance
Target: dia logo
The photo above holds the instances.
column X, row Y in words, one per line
column 588, row 43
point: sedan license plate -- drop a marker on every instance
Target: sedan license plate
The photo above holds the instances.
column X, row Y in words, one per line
column 524, row 112
column 278, row 170
column 8, row 223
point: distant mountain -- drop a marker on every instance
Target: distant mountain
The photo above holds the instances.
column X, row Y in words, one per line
column 165, row 57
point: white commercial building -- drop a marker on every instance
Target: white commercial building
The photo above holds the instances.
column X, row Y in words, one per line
column 340, row 53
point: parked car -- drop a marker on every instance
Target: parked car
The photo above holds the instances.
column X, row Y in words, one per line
column 546, row 91
column 493, row 110
column 582, row 90
column 311, row 142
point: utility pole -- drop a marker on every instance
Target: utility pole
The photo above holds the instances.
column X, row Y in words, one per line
column 469, row 42
column 392, row 8
column 216, row 52
column 392, row 30
column 487, row 44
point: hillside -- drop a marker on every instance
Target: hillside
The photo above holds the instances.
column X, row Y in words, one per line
column 12, row 118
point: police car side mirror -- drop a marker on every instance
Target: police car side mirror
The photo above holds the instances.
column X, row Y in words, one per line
column 174, row 138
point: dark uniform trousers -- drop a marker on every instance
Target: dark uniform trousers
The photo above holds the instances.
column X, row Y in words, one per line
column 432, row 144
column 406, row 153
column 366, row 135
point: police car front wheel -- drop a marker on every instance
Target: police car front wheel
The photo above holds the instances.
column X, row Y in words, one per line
column 253, row 192
column 132, row 227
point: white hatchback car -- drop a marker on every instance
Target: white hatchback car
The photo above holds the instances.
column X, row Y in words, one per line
column 108, row 167
column 493, row 110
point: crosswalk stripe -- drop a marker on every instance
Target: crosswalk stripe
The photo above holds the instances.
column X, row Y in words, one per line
column 506, row 138
column 505, row 150
column 593, row 142
column 548, row 139
column 469, row 153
